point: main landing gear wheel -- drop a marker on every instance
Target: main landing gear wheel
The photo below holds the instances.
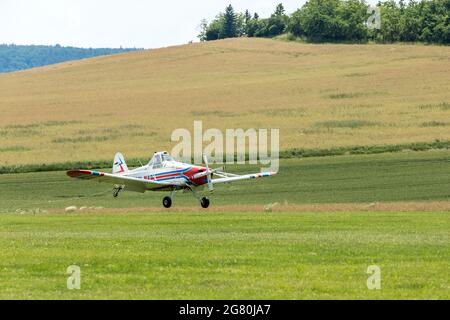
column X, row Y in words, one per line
column 204, row 202
column 167, row 202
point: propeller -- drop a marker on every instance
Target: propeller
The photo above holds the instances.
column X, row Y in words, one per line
column 209, row 175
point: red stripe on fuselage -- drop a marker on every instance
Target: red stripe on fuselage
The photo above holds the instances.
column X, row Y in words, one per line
column 188, row 174
column 168, row 175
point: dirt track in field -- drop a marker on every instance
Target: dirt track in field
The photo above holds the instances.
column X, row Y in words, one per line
column 337, row 207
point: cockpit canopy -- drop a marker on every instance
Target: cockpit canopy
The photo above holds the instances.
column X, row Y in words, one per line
column 158, row 158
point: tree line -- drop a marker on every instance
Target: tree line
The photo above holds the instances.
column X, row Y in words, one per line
column 19, row 57
column 340, row 21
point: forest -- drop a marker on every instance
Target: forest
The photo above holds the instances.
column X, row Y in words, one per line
column 352, row 21
column 19, row 57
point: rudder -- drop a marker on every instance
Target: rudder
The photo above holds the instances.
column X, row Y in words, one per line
column 119, row 165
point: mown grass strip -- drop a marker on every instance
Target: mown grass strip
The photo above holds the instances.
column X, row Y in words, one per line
column 375, row 149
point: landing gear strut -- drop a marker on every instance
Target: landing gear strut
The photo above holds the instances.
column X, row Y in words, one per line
column 204, row 201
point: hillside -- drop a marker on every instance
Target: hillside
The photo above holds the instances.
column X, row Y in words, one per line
column 19, row 57
column 319, row 96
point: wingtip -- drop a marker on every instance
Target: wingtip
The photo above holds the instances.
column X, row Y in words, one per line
column 78, row 173
column 268, row 173
column 72, row 173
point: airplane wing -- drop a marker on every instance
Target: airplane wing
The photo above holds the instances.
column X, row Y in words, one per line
column 130, row 183
column 228, row 177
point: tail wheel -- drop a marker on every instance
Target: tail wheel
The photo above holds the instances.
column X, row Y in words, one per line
column 116, row 190
column 167, row 202
column 204, row 202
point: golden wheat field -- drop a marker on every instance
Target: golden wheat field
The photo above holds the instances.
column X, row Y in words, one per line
column 319, row 96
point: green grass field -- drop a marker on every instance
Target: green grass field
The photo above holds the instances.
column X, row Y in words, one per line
column 228, row 252
column 226, row 255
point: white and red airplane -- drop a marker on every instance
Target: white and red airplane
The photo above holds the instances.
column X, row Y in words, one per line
column 163, row 173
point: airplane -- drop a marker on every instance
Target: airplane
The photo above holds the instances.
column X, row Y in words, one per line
column 163, row 173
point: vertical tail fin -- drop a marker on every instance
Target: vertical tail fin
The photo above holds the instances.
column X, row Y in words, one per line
column 119, row 165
